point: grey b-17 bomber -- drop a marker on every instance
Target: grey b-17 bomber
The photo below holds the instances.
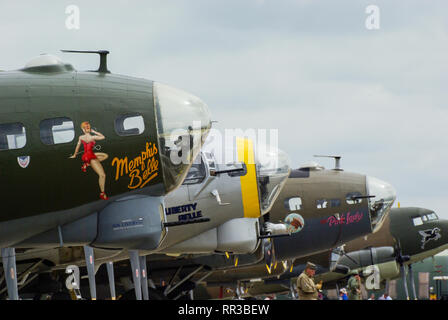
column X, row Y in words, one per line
column 76, row 144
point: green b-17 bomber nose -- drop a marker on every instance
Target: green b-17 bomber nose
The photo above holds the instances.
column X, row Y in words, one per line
column 382, row 198
column 183, row 122
column 97, row 137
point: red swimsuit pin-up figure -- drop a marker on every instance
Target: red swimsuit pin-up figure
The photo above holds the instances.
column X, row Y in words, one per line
column 88, row 154
column 89, row 158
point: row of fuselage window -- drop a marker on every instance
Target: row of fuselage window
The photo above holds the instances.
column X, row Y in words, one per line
column 62, row 130
column 197, row 174
column 295, row 203
column 418, row 221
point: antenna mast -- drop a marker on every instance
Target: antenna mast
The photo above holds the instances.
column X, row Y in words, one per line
column 337, row 160
column 103, row 58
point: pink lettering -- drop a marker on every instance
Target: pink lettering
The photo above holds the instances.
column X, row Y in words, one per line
column 354, row 218
column 332, row 221
column 343, row 219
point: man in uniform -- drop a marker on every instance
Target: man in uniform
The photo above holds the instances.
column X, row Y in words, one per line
column 354, row 287
column 306, row 287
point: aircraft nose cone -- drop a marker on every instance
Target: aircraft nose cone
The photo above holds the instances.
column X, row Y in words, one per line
column 443, row 226
column 380, row 205
column 273, row 167
column 183, row 122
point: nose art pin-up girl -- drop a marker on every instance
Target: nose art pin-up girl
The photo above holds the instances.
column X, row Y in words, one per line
column 89, row 158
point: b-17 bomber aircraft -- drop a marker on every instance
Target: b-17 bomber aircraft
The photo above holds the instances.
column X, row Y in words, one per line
column 76, row 144
column 216, row 209
column 310, row 203
column 340, row 205
column 330, row 207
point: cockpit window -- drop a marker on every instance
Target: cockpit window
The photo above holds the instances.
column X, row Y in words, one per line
column 293, row 204
column 12, row 136
column 352, row 198
column 417, row 221
column 182, row 120
column 197, row 173
column 272, row 171
column 380, row 197
column 432, row 216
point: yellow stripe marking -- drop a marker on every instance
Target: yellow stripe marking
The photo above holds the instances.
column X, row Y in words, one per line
column 249, row 187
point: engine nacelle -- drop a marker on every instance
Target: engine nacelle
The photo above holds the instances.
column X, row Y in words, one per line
column 367, row 257
column 130, row 223
column 238, row 236
column 377, row 275
column 389, row 270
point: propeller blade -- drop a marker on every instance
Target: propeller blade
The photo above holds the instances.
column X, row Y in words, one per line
column 403, row 278
column 90, row 265
column 10, row 272
column 136, row 274
column 144, row 278
column 110, row 274
column 411, row 278
column 292, row 289
column 401, row 260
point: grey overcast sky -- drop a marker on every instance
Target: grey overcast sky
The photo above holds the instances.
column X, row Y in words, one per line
column 310, row 69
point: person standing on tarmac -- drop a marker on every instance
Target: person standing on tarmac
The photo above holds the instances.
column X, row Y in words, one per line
column 306, row 287
column 354, row 287
column 343, row 294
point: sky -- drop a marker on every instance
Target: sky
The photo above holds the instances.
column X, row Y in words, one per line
column 310, row 69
